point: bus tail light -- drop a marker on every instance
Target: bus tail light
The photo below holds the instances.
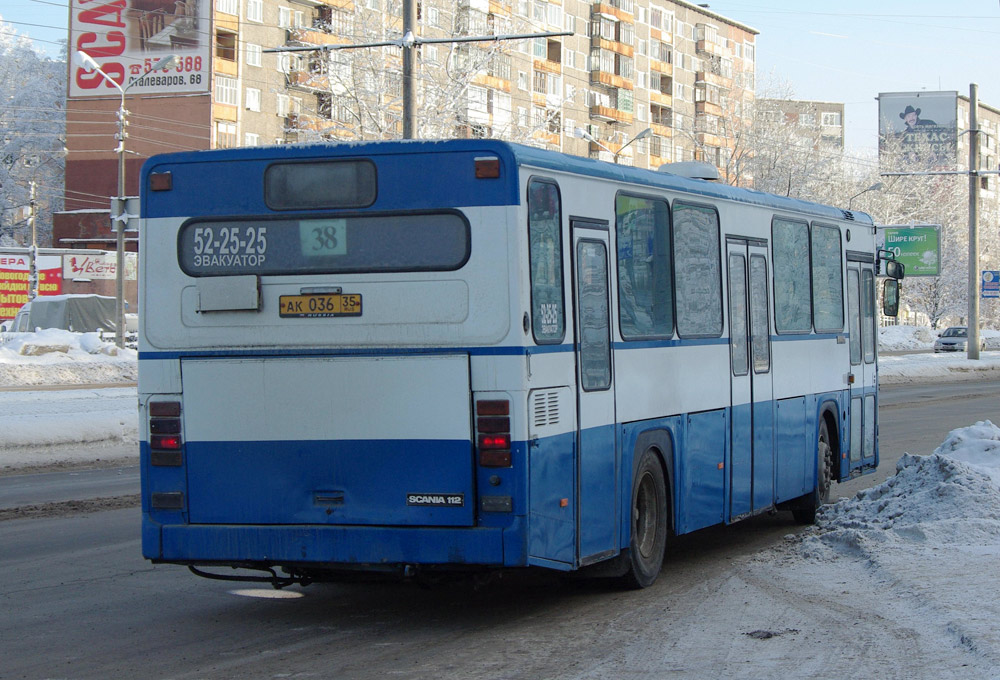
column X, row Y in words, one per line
column 493, row 430
column 165, row 442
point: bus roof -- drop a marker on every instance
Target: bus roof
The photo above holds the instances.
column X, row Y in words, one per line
column 511, row 155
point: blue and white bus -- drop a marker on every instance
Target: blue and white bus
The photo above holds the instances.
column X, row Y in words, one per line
column 416, row 356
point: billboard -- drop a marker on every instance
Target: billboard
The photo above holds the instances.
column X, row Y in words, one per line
column 923, row 126
column 14, row 280
column 917, row 247
column 97, row 266
column 127, row 37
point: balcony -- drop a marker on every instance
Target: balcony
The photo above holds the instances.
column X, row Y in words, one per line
column 492, row 82
column 610, row 115
column 663, row 67
column 309, row 36
column 709, row 139
column 610, row 80
column 547, row 66
column 612, row 46
column 661, row 130
column 226, row 67
column 339, row 4
column 709, row 47
column 712, row 79
column 307, row 80
column 661, row 99
column 708, row 107
column 610, row 11
column 662, row 36
column 546, row 137
column 504, row 8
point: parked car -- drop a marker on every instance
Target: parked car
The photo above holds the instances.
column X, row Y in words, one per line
column 954, row 339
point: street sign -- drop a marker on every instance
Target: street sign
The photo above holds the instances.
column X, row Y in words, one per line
column 917, row 247
column 991, row 284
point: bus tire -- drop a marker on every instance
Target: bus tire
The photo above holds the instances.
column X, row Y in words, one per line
column 805, row 511
column 648, row 539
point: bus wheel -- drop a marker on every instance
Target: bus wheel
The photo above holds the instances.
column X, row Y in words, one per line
column 805, row 511
column 649, row 522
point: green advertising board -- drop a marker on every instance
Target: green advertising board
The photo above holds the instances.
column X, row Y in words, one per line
column 917, row 247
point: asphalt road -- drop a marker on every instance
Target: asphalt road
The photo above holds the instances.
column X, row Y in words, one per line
column 78, row 600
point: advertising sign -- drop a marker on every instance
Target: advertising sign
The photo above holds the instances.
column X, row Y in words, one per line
column 991, row 283
column 917, row 247
column 14, row 281
column 96, row 266
column 126, row 37
column 922, row 125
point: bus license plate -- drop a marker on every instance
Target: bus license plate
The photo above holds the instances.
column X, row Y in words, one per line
column 317, row 306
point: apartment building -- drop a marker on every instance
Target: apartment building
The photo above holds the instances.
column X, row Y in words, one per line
column 819, row 124
column 676, row 72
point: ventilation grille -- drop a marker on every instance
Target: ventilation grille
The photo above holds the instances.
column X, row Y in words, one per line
column 848, row 215
column 544, row 408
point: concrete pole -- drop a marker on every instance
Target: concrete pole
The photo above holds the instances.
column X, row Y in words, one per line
column 409, row 59
column 118, row 221
column 972, row 346
column 33, row 251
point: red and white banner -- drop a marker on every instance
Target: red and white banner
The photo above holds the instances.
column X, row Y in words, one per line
column 126, row 37
column 14, row 281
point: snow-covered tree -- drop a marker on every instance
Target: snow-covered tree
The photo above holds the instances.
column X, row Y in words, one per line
column 32, row 129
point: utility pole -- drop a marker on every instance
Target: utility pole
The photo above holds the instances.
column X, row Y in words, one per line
column 409, row 43
column 33, row 251
column 972, row 343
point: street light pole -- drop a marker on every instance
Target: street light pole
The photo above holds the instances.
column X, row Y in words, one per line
column 119, row 215
column 972, row 341
column 583, row 134
column 874, row 187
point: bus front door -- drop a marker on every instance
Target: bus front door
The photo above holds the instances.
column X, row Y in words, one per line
column 751, row 464
column 597, row 458
column 863, row 411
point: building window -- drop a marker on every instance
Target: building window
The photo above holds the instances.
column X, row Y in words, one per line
column 522, row 80
column 831, row 119
column 225, row 135
column 253, row 54
column 227, row 91
column 807, row 119
column 225, row 45
column 284, row 17
column 281, row 108
column 251, row 139
column 253, row 99
column 228, row 6
column 255, row 11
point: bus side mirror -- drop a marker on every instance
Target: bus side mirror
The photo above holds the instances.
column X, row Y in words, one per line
column 890, row 297
column 894, row 269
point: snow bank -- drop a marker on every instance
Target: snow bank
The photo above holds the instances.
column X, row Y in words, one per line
column 949, row 497
column 900, row 338
column 58, row 357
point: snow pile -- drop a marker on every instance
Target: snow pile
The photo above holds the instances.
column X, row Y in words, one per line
column 58, row 357
column 899, row 338
column 928, row 496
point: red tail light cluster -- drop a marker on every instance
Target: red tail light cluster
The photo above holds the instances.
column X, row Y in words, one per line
column 165, row 442
column 493, row 432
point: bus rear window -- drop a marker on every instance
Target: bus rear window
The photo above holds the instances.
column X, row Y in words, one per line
column 327, row 184
column 324, row 245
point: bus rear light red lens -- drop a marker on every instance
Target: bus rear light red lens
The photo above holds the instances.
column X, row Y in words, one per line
column 164, row 409
column 493, row 407
column 494, row 441
column 494, row 458
column 165, row 426
column 165, row 441
column 493, row 424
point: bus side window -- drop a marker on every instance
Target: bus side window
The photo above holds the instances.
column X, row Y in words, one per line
column 791, row 276
column 828, row 287
column 698, row 268
column 645, row 294
column 548, row 317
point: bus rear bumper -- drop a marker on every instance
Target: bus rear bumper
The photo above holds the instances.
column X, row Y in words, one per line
column 328, row 545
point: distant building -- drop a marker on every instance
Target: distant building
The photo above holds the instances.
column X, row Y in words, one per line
column 821, row 123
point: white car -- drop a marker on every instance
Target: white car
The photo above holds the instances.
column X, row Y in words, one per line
column 954, row 339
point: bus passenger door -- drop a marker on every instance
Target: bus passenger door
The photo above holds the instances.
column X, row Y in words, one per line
column 861, row 313
column 751, row 466
column 597, row 478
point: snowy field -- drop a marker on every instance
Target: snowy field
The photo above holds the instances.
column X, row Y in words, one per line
column 908, row 565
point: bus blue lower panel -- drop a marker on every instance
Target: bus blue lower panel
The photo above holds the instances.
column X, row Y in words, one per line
column 333, row 545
